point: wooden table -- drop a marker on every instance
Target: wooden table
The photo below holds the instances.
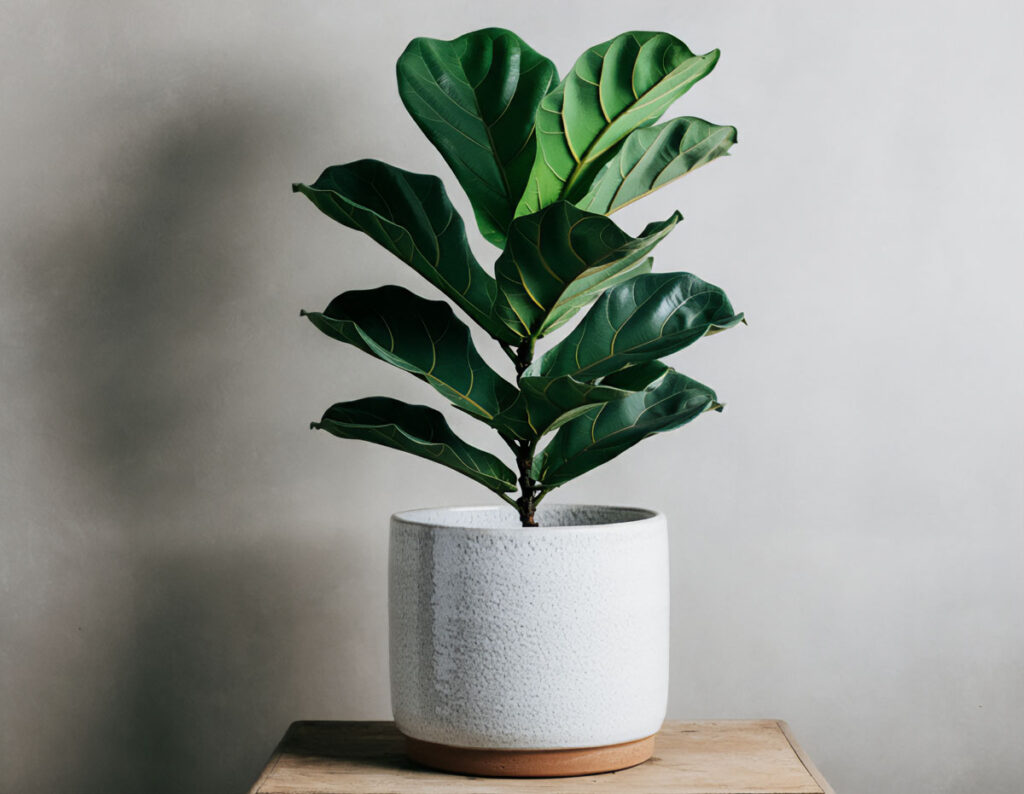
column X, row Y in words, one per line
column 712, row 757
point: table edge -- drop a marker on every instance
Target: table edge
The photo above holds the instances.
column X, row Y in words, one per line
column 804, row 759
column 275, row 757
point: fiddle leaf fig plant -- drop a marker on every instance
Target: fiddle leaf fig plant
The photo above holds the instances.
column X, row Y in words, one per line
column 544, row 162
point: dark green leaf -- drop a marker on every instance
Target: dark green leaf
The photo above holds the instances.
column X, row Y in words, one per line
column 614, row 88
column 637, row 377
column 418, row 430
column 544, row 404
column 475, row 98
column 648, row 317
column 652, row 157
column 411, row 216
column 604, row 432
column 422, row 337
column 559, row 259
column 587, row 287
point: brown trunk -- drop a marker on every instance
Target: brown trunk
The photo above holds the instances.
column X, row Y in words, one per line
column 525, row 449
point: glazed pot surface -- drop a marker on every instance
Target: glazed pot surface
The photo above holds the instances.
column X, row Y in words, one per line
column 504, row 637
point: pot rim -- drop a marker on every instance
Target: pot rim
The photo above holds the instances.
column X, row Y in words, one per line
column 631, row 517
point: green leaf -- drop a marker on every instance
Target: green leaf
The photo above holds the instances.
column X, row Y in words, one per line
column 637, row 377
column 422, row 337
column 648, row 317
column 410, row 215
column 652, row 157
column 614, row 88
column 588, row 286
column 604, row 432
column 559, row 259
column 475, row 98
column 544, row 404
column 418, row 430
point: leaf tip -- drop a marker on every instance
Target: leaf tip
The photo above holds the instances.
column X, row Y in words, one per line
column 314, row 425
column 716, row 406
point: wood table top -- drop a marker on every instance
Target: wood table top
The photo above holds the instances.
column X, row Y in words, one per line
column 707, row 757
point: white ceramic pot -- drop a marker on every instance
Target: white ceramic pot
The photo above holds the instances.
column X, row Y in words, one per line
column 514, row 639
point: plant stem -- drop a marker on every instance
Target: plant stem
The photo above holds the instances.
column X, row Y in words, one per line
column 541, row 493
column 507, row 350
column 525, row 449
column 510, row 500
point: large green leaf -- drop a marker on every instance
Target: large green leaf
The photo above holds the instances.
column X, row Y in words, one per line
column 652, row 157
column 420, row 336
column 411, row 216
column 648, row 317
column 559, row 259
column 588, row 286
column 604, row 432
column 544, row 404
column 475, row 98
column 418, row 430
column 614, row 88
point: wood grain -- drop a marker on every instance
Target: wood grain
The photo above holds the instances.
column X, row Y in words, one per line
column 711, row 757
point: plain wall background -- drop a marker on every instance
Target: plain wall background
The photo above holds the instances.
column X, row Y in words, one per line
column 185, row 568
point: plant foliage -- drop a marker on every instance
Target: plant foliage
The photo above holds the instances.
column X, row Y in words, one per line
column 543, row 162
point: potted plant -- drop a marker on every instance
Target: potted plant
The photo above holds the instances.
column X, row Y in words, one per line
column 530, row 639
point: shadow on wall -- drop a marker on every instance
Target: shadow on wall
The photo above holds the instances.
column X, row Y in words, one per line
column 195, row 630
column 219, row 639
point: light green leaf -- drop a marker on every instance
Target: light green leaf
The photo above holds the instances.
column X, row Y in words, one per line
column 652, row 157
column 411, row 216
column 614, row 88
column 604, row 432
column 422, row 337
column 559, row 259
column 418, row 430
column 648, row 317
column 475, row 98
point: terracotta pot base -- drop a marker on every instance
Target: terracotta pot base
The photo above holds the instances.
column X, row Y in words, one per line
column 530, row 763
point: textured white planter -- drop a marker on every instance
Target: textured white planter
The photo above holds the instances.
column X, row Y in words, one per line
column 512, row 638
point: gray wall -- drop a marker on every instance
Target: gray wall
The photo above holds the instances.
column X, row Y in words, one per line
column 185, row 569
